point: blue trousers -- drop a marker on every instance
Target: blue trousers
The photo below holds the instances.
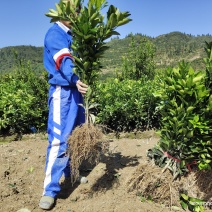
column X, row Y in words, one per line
column 64, row 115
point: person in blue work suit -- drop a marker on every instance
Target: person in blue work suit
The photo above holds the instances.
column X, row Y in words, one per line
column 65, row 94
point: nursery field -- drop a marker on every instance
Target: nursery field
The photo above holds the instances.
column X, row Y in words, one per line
column 123, row 181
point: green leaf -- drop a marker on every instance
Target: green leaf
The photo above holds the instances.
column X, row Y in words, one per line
column 59, row 10
column 112, row 10
column 184, row 205
column 51, row 14
column 86, row 65
column 112, row 21
column 189, row 109
column 184, row 196
column 196, row 79
column 124, row 21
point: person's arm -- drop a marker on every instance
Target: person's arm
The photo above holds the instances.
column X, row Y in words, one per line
column 66, row 67
column 57, row 45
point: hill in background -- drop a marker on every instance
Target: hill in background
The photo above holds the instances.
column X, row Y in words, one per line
column 9, row 57
column 170, row 49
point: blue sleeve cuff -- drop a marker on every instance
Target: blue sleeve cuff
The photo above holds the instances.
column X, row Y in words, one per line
column 74, row 79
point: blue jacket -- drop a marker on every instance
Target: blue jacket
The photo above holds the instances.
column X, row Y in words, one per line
column 58, row 60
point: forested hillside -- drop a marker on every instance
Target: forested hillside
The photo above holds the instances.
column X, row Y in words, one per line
column 170, row 49
column 9, row 56
column 175, row 46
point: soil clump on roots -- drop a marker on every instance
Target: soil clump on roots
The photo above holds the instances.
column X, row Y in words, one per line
column 86, row 143
column 151, row 183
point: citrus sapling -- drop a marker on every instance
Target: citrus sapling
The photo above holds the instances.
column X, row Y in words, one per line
column 90, row 30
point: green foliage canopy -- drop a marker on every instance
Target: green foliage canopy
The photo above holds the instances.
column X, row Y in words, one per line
column 138, row 62
column 23, row 102
column 127, row 105
column 90, row 30
column 185, row 109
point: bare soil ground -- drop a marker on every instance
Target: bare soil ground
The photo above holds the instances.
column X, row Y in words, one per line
column 119, row 183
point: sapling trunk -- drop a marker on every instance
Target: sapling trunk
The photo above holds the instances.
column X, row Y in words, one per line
column 86, row 112
column 87, row 98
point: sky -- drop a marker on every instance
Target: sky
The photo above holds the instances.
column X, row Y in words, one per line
column 23, row 22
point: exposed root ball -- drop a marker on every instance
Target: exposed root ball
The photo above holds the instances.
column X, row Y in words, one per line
column 149, row 182
column 85, row 143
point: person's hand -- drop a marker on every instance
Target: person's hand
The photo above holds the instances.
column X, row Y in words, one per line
column 82, row 87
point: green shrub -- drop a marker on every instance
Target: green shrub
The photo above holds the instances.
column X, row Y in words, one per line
column 138, row 62
column 23, row 102
column 185, row 109
column 127, row 105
